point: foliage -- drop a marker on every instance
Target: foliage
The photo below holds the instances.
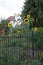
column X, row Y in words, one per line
column 5, row 26
column 16, row 45
column 35, row 9
column 38, row 34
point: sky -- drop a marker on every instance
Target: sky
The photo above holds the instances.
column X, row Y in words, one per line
column 10, row 7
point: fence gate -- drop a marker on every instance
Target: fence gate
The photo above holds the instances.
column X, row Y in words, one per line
column 21, row 49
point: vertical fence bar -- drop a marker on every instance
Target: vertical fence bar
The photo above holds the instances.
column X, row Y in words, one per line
column 33, row 43
column 19, row 51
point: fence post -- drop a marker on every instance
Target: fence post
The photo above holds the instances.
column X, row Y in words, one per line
column 33, row 43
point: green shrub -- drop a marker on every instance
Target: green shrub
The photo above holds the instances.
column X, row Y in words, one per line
column 38, row 38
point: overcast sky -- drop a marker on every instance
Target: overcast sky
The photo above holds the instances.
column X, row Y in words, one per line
column 9, row 7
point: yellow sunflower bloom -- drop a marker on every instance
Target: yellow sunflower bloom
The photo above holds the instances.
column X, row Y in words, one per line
column 9, row 24
column 26, row 20
column 19, row 31
column 35, row 29
column 28, row 16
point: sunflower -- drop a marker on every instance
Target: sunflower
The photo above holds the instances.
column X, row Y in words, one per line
column 26, row 20
column 35, row 29
column 19, row 31
column 9, row 24
column 28, row 16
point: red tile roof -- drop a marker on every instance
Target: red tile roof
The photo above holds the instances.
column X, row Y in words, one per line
column 11, row 18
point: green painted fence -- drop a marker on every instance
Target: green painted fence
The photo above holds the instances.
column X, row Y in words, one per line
column 22, row 49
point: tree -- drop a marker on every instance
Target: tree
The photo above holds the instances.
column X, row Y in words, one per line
column 35, row 9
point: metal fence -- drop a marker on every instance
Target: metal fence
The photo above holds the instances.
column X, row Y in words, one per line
column 15, row 49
